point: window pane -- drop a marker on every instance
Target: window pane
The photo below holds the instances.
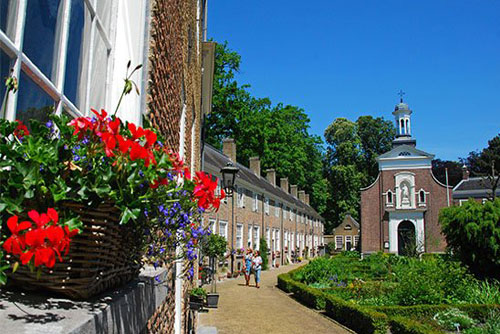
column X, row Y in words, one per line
column 99, row 70
column 8, row 17
column 77, row 55
column 104, row 13
column 32, row 101
column 5, row 65
column 43, row 18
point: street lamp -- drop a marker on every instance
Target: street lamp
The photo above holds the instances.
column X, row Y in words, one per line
column 228, row 177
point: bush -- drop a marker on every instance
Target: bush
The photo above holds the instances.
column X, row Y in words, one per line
column 263, row 253
column 400, row 325
column 491, row 325
column 360, row 319
column 452, row 318
column 214, row 246
column 472, row 232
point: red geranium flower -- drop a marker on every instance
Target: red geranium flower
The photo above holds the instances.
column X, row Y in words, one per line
column 15, row 243
column 21, row 130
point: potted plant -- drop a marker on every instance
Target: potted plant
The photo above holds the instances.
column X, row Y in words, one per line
column 197, row 297
column 100, row 193
column 214, row 246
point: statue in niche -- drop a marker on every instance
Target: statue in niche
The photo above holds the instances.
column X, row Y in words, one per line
column 405, row 194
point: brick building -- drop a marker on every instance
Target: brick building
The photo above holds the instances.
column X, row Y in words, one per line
column 263, row 209
column 400, row 209
column 70, row 56
column 346, row 235
column 478, row 188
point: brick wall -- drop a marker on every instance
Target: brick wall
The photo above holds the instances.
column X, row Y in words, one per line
column 372, row 216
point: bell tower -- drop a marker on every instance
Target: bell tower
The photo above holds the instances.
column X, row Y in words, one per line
column 402, row 114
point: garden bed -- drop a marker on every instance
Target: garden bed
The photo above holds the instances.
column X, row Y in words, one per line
column 401, row 294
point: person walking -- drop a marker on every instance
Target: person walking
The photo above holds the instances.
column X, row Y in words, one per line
column 257, row 267
column 248, row 265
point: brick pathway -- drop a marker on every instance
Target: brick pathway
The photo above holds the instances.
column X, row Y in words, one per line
column 267, row 310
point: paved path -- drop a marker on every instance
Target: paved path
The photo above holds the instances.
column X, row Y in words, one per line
column 267, row 310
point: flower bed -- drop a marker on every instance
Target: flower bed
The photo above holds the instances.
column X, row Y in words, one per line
column 357, row 292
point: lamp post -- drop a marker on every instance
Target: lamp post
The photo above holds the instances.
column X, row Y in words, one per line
column 228, row 177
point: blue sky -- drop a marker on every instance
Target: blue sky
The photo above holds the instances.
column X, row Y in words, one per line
column 350, row 58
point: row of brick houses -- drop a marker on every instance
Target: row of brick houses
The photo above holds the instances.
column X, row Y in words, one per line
column 263, row 209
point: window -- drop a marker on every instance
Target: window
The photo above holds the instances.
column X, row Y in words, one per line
column 390, row 197
column 239, row 236
column 285, row 209
column 249, row 236
column 223, row 229
column 484, row 200
column 256, row 237
column 356, row 240
column 348, row 242
column 348, row 227
column 255, row 205
column 211, row 224
column 241, row 197
column 421, row 196
column 292, row 215
column 268, row 236
column 462, row 201
column 292, row 241
column 276, row 209
column 286, row 239
column 278, row 245
column 339, row 242
column 266, row 205
column 62, row 62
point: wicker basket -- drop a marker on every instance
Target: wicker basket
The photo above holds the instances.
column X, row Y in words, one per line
column 103, row 256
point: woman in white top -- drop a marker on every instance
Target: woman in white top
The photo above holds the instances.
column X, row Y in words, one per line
column 257, row 267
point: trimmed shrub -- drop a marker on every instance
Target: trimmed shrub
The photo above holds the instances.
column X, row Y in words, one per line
column 400, row 325
column 263, row 253
column 452, row 317
column 360, row 319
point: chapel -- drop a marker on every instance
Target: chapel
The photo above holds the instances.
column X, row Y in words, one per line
column 400, row 209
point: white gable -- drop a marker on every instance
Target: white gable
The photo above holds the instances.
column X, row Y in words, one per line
column 404, row 157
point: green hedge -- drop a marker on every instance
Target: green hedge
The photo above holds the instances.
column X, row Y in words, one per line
column 401, row 325
column 360, row 319
column 476, row 311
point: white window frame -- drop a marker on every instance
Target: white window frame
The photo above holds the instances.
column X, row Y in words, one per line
column 239, row 235
column 241, row 197
column 339, row 242
column 255, row 202
column 268, row 236
column 256, row 236
column 462, row 201
column 249, row 236
column 212, row 224
column 348, row 238
column 266, row 205
column 356, row 241
column 14, row 49
column 223, row 228
column 424, row 202
column 276, row 208
column 391, row 202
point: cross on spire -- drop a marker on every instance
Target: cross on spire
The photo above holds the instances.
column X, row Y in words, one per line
column 401, row 93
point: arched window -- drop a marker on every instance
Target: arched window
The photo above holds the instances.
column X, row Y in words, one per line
column 407, row 128
column 348, row 227
column 421, row 195
column 389, row 197
column 402, row 126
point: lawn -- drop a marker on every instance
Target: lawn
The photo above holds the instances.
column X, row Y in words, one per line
column 436, row 293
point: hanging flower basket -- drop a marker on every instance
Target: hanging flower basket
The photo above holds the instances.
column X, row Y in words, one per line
column 104, row 255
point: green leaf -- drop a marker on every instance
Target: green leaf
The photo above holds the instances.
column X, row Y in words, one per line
column 74, row 223
column 128, row 214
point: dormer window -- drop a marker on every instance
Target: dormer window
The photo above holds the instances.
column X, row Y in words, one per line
column 404, row 154
column 348, row 227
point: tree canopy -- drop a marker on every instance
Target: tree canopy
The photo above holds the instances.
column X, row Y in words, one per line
column 278, row 134
column 350, row 162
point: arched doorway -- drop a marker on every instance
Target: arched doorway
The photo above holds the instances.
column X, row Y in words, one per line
column 407, row 242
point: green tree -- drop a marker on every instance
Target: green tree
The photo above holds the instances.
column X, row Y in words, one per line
column 278, row 134
column 486, row 164
column 472, row 232
column 263, row 253
column 350, row 162
column 454, row 168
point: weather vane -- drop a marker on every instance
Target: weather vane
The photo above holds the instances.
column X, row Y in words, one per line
column 401, row 93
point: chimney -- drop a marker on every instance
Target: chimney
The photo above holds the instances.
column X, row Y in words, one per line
column 255, row 165
column 307, row 199
column 284, row 184
column 465, row 173
column 293, row 190
column 302, row 196
column 271, row 176
column 229, row 149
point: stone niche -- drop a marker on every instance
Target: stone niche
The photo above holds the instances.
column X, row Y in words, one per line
column 405, row 190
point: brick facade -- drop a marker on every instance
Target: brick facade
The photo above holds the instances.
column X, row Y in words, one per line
column 374, row 210
column 293, row 215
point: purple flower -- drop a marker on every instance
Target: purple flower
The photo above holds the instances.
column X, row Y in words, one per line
column 141, row 174
column 157, row 278
column 160, row 143
column 85, row 141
